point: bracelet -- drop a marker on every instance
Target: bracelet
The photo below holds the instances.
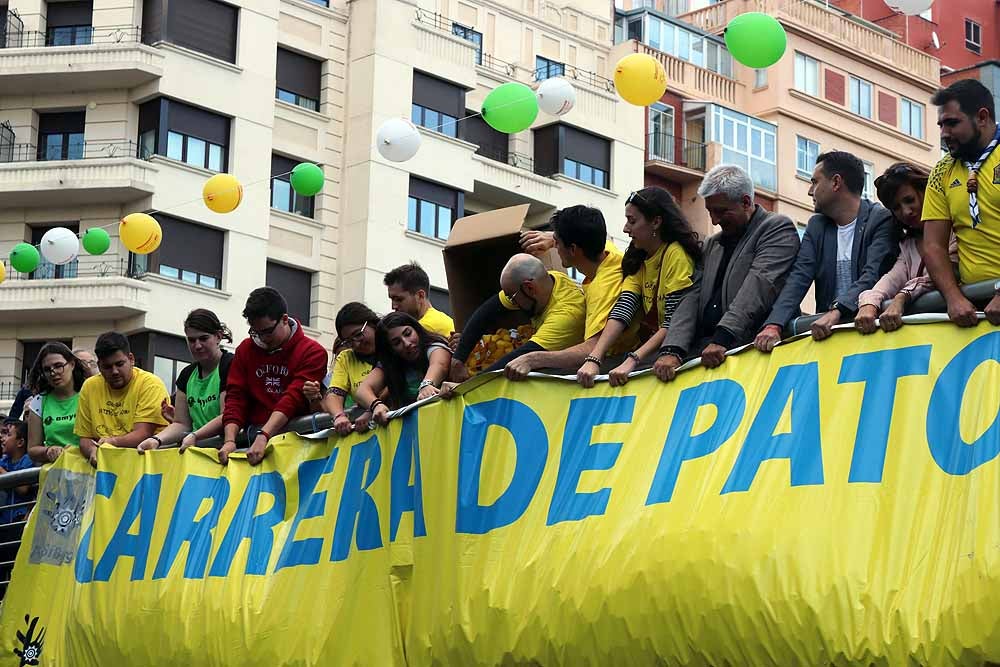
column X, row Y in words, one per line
column 633, row 356
column 426, row 383
column 592, row 359
column 665, row 352
column 159, row 443
column 374, row 404
column 339, row 415
column 262, row 432
column 228, row 442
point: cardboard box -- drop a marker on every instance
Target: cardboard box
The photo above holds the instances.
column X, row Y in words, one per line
column 478, row 247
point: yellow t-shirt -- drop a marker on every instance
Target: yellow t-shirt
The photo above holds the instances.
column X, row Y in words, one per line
column 348, row 372
column 561, row 324
column 437, row 322
column 947, row 198
column 103, row 412
column 600, row 294
column 666, row 271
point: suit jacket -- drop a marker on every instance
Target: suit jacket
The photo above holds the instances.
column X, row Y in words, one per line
column 753, row 279
column 873, row 254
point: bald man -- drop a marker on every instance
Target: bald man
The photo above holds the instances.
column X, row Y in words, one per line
column 549, row 299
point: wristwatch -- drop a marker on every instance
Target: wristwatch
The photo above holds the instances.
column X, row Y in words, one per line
column 996, row 288
column 845, row 311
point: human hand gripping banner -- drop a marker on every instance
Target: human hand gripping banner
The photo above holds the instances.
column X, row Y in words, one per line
column 833, row 503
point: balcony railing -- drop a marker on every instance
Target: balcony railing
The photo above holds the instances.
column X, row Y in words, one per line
column 85, row 266
column 518, row 160
column 71, row 36
column 81, row 150
column 693, row 79
column 675, row 150
column 494, row 64
column 571, row 72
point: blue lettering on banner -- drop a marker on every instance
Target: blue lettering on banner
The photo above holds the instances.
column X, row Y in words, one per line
column 579, row 454
column 800, row 386
column 183, row 528
column 682, row 445
column 356, row 504
column 880, row 371
column 248, row 525
column 403, row 497
column 311, row 505
column 141, row 505
column 83, row 570
column 532, row 447
column 944, row 437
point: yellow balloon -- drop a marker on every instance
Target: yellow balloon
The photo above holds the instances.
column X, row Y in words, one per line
column 3, row 272
column 140, row 233
column 222, row 193
column 640, row 79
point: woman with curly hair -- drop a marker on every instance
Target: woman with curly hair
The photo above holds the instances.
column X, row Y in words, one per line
column 657, row 270
column 901, row 190
column 55, row 378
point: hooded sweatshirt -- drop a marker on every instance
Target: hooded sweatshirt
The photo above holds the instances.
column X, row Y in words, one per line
column 262, row 382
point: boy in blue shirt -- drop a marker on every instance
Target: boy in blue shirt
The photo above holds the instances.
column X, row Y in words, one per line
column 15, row 457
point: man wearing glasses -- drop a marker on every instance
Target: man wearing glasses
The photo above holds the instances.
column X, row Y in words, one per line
column 550, row 299
column 264, row 389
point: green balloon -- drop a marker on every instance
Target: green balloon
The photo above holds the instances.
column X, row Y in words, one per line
column 756, row 40
column 307, row 179
column 96, row 241
column 511, row 107
column 24, row 258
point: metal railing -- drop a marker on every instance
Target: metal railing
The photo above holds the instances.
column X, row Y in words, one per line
column 11, row 29
column 9, row 389
column 511, row 158
column 676, row 150
column 494, row 64
column 72, row 36
column 75, row 150
column 85, row 266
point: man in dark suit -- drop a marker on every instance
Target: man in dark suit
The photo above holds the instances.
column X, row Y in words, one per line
column 848, row 245
column 745, row 267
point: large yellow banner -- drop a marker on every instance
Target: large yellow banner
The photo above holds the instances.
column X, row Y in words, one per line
column 833, row 503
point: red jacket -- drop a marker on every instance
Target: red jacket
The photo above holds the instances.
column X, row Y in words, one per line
column 262, row 382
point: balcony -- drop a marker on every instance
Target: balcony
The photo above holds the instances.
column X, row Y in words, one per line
column 693, row 81
column 832, row 27
column 88, row 172
column 674, row 158
column 91, row 288
column 91, row 59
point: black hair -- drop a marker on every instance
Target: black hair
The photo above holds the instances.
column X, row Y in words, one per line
column 582, row 226
column 655, row 202
column 110, row 342
column 394, row 367
column 21, row 427
column 355, row 313
column 848, row 166
column 888, row 184
column 202, row 319
column 38, row 381
column 971, row 96
column 410, row 277
column 265, row 302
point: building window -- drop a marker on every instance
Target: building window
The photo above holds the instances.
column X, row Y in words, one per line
column 189, row 252
column 47, row 270
column 470, row 35
column 298, row 79
column 296, row 286
column 206, row 26
column 547, row 69
column 676, row 40
column 437, row 104
column 759, row 78
column 662, row 144
column 563, row 149
column 869, row 189
column 283, row 197
column 973, row 36
column 805, row 156
column 912, row 118
column 184, row 133
column 68, row 23
column 492, row 144
column 861, row 97
column 60, row 135
column 748, row 142
column 806, row 74
column 432, row 209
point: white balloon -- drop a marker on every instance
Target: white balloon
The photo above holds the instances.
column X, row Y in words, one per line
column 398, row 140
column 909, row 7
column 556, row 96
column 60, row 245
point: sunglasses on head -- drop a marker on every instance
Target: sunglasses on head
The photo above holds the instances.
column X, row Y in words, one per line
column 634, row 196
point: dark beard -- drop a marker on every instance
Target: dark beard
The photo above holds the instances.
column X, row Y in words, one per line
column 970, row 150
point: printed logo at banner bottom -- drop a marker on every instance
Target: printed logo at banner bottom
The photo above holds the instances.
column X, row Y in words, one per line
column 60, row 513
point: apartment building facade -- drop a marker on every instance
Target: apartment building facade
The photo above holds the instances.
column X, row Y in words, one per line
column 110, row 108
column 842, row 84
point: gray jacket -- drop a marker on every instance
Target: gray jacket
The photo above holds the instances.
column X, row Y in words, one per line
column 873, row 254
column 754, row 278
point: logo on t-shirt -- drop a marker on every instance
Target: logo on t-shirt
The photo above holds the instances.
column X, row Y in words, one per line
column 955, row 183
column 996, row 175
column 48, row 421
